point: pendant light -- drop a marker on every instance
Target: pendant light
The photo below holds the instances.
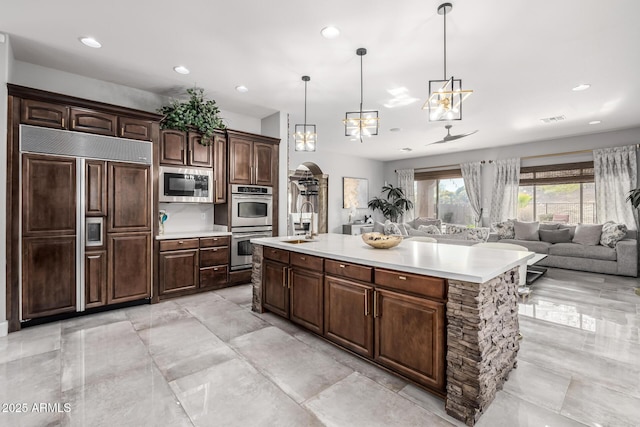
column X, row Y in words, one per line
column 361, row 123
column 305, row 135
column 446, row 95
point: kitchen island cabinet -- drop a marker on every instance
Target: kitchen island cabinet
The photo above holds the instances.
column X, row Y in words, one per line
column 442, row 316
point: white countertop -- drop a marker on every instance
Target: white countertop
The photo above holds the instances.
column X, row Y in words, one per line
column 192, row 234
column 468, row 263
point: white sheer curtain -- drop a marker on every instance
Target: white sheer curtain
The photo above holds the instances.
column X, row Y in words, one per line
column 406, row 182
column 615, row 173
column 504, row 202
column 471, row 173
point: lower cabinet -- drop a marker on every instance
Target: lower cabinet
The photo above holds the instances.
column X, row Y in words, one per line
column 347, row 316
column 306, row 298
column 95, row 279
column 129, row 271
column 410, row 336
column 178, row 271
column 275, row 290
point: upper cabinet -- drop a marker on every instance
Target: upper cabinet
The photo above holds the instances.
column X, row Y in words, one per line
column 129, row 197
column 184, row 149
column 253, row 160
column 45, row 114
column 83, row 120
column 134, row 128
column 219, row 169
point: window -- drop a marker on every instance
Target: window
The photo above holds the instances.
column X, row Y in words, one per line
column 557, row 193
column 441, row 194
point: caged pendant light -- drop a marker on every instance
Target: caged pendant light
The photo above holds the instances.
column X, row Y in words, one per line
column 361, row 123
column 305, row 135
column 446, row 95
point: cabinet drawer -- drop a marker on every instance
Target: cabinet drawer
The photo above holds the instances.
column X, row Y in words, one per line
column 214, row 256
column 213, row 276
column 177, row 244
column 207, row 242
column 279, row 255
column 430, row 287
column 306, row 261
column 351, row 271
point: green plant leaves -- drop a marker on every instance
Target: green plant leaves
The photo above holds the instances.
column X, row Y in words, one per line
column 197, row 112
column 393, row 205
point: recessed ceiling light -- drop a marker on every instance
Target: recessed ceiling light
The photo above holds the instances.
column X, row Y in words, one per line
column 91, row 42
column 330, row 32
column 595, row 122
column 181, row 69
column 406, row 149
column 395, row 129
column 242, row 89
column 580, row 87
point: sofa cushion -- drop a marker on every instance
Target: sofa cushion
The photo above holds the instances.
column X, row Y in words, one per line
column 417, row 222
column 455, row 229
column 526, row 230
column 479, row 234
column 378, row 227
column 532, row 245
column 393, row 228
column 571, row 228
column 583, row 251
column 430, row 229
column 549, row 226
column 555, row 236
column 612, row 233
column 588, row 234
column 504, row 229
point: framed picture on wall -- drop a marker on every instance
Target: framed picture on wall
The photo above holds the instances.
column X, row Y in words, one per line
column 355, row 193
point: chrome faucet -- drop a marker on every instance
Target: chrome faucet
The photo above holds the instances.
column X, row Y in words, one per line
column 312, row 231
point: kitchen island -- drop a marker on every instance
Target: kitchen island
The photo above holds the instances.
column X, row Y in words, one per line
column 442, row 316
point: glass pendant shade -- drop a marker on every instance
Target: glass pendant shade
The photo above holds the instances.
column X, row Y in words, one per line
column 361, row 123
column 305, row 136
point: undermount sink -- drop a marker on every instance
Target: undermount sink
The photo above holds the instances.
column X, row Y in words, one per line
column 297, row 241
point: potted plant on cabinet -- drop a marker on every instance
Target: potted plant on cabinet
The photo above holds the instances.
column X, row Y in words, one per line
column 197, row 113
column 394, row 205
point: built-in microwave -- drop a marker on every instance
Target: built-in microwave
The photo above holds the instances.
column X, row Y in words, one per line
column 185, row 185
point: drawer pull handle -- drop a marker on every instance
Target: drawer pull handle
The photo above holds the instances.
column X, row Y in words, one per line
column 375, row 304
column 180, row 242
column 302, row 258
column 366, row 302
column 402, row 277
column 122, row 131
column 63, row 122
column 215, row 268
column 284, row 277
column 215, row 249
column 342, row 265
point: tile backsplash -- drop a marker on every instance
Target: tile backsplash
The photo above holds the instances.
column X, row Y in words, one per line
column 187, row 217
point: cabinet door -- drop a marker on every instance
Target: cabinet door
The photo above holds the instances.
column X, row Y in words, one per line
column 219, row 169
column 347, row 314
column 129, row 274
column 275, row 291
column 178, row 271
column 129, row 197
column 173, row 147
column 48, row 195
column 240, row 161
column 214, row 277
column 45, row 114
column 93, row 122
column 306, row 299
column 134, row 128
column 199, row 155
column 214, row 256
column 264, row 164
column 410, row 337
column 95, row 279
column 48, row 276
column 96, row 188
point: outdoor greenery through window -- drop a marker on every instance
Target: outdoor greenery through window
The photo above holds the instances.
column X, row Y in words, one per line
column 557, row 193
column 442, row 195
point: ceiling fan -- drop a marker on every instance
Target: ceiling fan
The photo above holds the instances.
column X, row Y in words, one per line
column 450, row 137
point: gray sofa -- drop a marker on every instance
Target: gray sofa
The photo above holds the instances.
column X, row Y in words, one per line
column 621, row 260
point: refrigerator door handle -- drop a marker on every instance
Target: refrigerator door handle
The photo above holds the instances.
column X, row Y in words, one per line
column 80, row 234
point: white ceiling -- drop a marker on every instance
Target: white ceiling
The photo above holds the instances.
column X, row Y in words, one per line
column 520, row 57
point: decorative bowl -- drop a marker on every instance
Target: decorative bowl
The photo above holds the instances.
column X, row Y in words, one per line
column 381, row 241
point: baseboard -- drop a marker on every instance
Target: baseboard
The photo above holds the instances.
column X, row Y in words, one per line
column 4, row 328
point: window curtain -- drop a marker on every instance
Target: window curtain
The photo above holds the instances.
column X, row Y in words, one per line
column 471, row 173
column 504, row 202
column 615, row 173
column 406, row 182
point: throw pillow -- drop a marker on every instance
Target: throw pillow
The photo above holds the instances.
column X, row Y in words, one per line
column 554, row 226
column 526, row 230
column 378, row 227
column 456, row 229
column 479, row 234
column 555, row 236
column 588, row 234
column 571, row 228
column 426, row 221
column 504, row 229
column 391, row 228
column 612, row 233
column 429, row 229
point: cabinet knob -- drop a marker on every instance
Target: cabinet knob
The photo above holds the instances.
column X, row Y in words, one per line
column 402, row 277
column 342, row 265
column 302, row 258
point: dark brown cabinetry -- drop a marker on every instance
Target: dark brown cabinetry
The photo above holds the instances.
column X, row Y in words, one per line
column 46, row 114
column 214, row 262
column 134, row 128
column 252, row 161
column 129, row 270
column 219, row 169
column 84, row 120
column 129, row 198
column 275, row 287
column 306, row 298
column 178, row 271
column 199, row 155
column 95, row 273
column 96, row 188
column 184, row 149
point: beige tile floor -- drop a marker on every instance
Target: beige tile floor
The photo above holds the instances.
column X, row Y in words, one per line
column 207, row 360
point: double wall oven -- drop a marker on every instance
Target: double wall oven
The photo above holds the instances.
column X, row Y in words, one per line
column 251, row 218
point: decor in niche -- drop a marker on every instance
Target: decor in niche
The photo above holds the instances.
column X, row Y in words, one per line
column 361, row 123
column 305, row 134
column 196, row 113
column 355, row 193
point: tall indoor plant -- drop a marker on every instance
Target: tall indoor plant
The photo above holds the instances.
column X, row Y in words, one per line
column 196, row 113
column 393, row 205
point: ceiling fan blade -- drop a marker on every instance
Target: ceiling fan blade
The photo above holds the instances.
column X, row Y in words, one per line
column 462, row 135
